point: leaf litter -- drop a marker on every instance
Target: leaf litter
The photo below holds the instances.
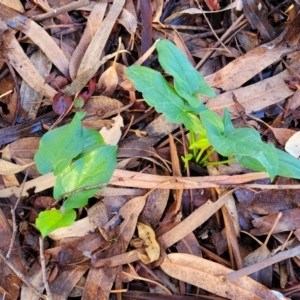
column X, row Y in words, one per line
column 182, row 237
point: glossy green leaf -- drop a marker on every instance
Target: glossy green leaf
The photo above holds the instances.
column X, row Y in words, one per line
column 288, row 166
column 160, row 94
column 228, row 126
column 188, row 82
column 58, row 147
column 50, row 220
column 92, row 139
column 239, row 141
column 93, row 168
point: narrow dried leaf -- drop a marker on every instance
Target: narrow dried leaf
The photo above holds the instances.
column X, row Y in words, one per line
column 14, row 4
column 254, row 97
column 289, row 221
column 66, row 281
column 206, row 274
column 30, row 99
column 128, row 20
column 22, row 152
column 77, row 229
column 24, row 67
column 10, row 168
column 230, row 77
column 38, row 35
column 95, row 48
column 94, row 21
column 120, row 228
column 158, row 11
column 147, row 234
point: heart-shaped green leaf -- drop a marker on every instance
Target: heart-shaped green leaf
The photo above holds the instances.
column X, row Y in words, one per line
column 188, row 82
column 50, row 220
column 93, row 168
column 160, row 94
column 58, row 147
column 239, row 141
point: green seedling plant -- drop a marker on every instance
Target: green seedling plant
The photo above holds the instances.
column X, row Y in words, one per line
column 82, row 163
column 208, row 132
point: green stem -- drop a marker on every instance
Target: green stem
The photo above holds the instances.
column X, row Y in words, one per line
column 192, row 140
column 214, row 163
column 209, row 153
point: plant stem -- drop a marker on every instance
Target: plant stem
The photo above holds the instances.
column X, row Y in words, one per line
column 213, row 163
column 192, row 141
column 209, row 153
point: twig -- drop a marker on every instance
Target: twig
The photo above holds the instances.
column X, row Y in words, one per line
column 14, row 76
column 61, row 10
column 212, row 30
column 13, row 213
column 232, row 30
column 43, row 264
column 22, row 277
column 260, row 265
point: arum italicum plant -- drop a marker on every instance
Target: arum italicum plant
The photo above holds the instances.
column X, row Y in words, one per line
column 207, row 131
column 82, row 163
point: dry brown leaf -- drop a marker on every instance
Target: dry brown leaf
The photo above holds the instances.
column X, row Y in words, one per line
column 123, row 80
column 206, row 274
column 77, row 229
column 14, row 4
column 128, row 20
column 108, row 81
column 24, row 67
column 192, row 11
column 119, row 230
column 38, row 35
column 147, row 234
column 66, row 281
column 100, row 105
column 22, row 152
column 31, row 99
column 95, row 48
column 288, row 222
column 230, row 77
column 94, row 21
column 81, row 80
column 10, row 168
column 254, row 97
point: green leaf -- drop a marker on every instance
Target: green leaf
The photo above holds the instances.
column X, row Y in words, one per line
column 92, row 139
column 160, row 94
column 93, row 168
column 288, row 166
column 212, row 122
column 228, row 126
column 50, row 220
column 58, row 147
column 239, row 141
column 188, row 82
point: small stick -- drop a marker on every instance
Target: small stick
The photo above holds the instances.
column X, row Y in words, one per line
column 22, row 277
column 13, row 213
column 61, row 10
column 261, row 265
column 43, row 264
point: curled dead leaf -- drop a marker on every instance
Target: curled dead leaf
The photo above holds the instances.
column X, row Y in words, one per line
column 147, row 234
